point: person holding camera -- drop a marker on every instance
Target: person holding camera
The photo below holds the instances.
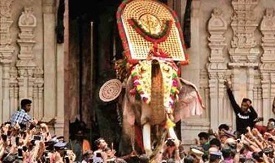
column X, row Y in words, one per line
column 100, row 154
column 170, row 150
column 245, row 114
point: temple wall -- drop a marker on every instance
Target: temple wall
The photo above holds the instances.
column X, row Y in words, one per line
column 31, row 62
column 230, row 40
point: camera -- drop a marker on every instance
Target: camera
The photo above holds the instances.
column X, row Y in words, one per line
column 267, row 151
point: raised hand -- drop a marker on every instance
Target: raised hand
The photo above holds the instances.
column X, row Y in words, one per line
column 227, row 84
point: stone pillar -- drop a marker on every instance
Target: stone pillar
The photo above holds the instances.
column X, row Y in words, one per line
column 59, row 127
column 66, row 70
column 50, row 98
column 244, row 51
column 216, row 67
column 13, row 90
column 267, row 67
column 214, row 105
column 6, row 51
column 5, row 86
column 26, row 64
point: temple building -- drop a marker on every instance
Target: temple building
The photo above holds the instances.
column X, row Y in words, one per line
column 58, row 53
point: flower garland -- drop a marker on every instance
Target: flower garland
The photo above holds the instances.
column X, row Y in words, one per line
column 172, row 79
column 138, row 88
column 139, row 83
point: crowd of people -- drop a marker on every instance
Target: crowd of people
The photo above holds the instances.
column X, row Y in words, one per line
column 25, row 139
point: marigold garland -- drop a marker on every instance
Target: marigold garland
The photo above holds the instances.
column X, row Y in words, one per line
column 138, row 88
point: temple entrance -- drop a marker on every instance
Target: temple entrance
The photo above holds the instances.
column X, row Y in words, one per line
column 93, row 45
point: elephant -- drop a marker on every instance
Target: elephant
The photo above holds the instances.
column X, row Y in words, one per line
column 155, row 98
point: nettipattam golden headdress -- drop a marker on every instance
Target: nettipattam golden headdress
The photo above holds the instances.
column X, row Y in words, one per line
column 150, row 28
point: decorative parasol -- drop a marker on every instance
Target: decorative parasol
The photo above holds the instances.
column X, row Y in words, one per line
column 110, row 90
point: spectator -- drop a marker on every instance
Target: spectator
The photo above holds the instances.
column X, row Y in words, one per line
column 245, row 115
column 223, row 127
column 32, row 145
column 21, row 116
column 189, row 159
column 227, row 155
column 204, row 140
column 268, row 128
column 143, row 158
column 170, row 150
column 215, row 142
column 224, row 135
column 215, row 157
column 87, row 157
column 197, row 154
column 79, row 144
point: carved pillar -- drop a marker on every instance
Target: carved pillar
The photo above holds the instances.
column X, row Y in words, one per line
column 49, row 59
column 244, row 51
column 59, row 127
column 267, row 67
column 13, row 90
column 26, row 64
column 6, row 51
column 217, row 67
column 38, row 92
column 205, row 94
column 213, row 82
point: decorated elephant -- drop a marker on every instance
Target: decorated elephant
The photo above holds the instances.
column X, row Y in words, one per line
column 155, row 97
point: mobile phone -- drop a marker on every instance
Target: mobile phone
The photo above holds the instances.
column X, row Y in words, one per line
column 37, row 137
column 20, row 153
column 17, row 141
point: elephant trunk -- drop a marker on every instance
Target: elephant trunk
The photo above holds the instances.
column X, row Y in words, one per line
column 158, row 115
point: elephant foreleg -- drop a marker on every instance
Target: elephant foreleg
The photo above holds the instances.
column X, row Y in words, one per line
column 147, row 139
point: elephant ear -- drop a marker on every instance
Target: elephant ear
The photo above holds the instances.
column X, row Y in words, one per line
column 189, row 101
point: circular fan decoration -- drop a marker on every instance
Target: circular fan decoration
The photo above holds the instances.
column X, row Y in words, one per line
column 110, row 90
